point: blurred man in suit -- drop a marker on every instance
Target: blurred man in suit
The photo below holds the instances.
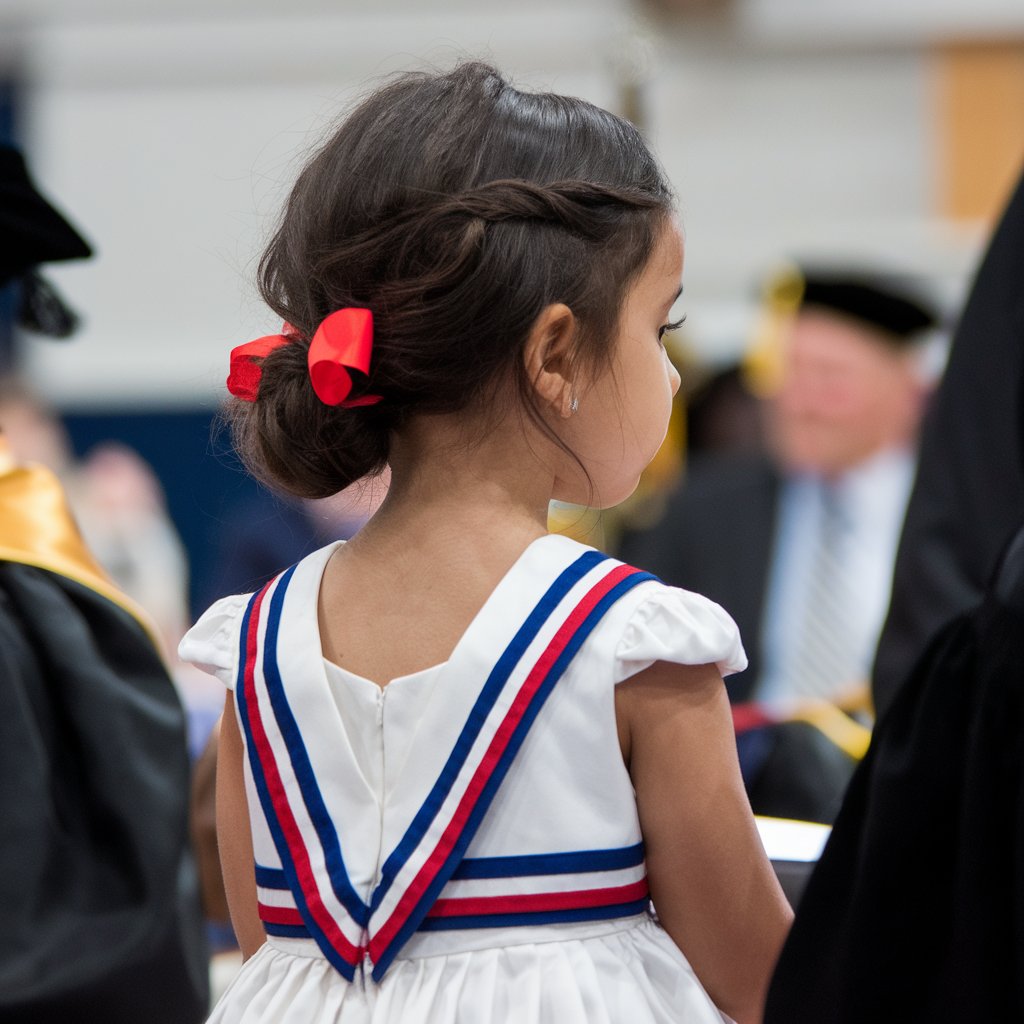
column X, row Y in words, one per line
column 798, row 544
column 775, row 539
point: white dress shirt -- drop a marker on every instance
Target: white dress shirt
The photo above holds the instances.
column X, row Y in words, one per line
column 874, row 497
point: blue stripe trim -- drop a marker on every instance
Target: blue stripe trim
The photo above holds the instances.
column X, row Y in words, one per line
column 489, row 694
column 302, row 768
column 449, row 924
column 271, row 878
column 290, row 931
column 516, row 741
column 342, row 966
column 550, row 863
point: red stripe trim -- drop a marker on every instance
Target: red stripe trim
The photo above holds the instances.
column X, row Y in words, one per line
column 289, row 827
column 279, row 915
column 414, row 892
column 536, row 902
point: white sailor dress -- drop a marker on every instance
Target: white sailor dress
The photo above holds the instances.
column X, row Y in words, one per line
column 462, row 845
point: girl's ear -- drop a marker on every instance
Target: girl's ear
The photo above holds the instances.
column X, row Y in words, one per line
column 548, row 357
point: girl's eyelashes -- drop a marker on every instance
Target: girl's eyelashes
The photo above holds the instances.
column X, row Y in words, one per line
column 674, row 326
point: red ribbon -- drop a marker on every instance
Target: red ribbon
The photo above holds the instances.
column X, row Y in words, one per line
column 244, row 376
column 342, row 343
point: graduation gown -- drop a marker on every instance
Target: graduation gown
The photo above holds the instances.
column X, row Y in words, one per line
column 100, row 915
column 969, row 494
column 915, row 911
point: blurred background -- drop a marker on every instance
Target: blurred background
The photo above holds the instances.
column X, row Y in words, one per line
column 169, row 133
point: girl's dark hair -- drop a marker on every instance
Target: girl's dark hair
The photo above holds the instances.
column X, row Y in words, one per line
column 456, row 208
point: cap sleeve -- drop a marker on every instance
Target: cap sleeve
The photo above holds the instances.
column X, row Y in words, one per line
column 212, row 643
column 682, row 627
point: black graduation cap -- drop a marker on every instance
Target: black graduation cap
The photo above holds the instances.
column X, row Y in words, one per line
column 882, row 303
column 33, row 231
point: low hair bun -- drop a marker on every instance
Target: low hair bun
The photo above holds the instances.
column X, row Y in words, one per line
column 293, row 442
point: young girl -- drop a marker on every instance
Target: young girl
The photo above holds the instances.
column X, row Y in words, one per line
column 462, row 755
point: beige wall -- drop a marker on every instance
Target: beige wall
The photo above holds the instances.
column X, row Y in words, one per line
column 170, row 138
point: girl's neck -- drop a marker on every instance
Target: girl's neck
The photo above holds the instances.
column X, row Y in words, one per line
column 457, row 517
column 459, row 483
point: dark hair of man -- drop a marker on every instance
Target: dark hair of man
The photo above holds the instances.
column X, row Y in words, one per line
column 456, row 208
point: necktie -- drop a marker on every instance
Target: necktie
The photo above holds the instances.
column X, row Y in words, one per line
column 826, row 659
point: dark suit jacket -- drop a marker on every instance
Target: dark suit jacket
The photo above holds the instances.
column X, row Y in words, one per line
column 716, row 539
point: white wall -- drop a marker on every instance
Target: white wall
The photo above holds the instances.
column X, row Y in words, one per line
column 818, row 23
column 170, row 138
column 172, row 141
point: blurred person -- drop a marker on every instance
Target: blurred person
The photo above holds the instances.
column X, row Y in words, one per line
column 714, row 411
column 118, row 503
column 100, row 910
column 267, row 532
column 723, row 415
column 915, row 910
column 119, row 508
column 799, row 542
column 122, row 512
column 841, row 427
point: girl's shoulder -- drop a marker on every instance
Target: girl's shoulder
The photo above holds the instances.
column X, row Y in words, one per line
column 212, row 643
column 666, row 623
column 657, row 622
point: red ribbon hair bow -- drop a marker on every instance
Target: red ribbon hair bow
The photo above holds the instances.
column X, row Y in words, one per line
column 342, row 344
column 244, row 376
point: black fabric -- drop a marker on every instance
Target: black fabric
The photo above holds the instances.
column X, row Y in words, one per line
column 799, row 772
column 883, row 305
column 915, row 911
column 969, row 492
column 31, row 229
column 716, row 538
column 42, row 309
column 97, row 890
